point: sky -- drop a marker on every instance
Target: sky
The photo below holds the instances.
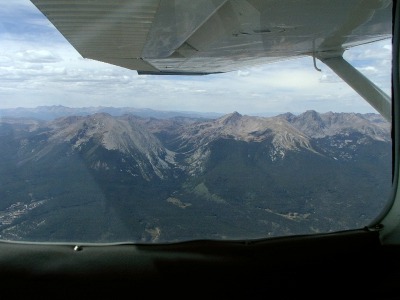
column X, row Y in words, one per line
column 39, row 67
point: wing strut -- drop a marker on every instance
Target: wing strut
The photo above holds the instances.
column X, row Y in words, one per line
column 361, row 84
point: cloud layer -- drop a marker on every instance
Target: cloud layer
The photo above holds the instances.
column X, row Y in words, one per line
column 38, row 67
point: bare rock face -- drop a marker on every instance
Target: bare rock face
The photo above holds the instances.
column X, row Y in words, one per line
column 150, row 179
column 317, row 125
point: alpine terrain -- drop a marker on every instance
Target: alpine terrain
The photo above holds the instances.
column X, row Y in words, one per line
column 103, row 177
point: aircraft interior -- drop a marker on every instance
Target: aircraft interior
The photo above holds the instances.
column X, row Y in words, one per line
column 362, row 263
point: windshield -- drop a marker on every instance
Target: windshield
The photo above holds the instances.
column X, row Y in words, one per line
column 93, row 152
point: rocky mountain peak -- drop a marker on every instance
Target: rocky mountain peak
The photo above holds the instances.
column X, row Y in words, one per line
column 288, row 116
column 113, row 133
column 317, row 125
column 311, row 121
column 230, row 119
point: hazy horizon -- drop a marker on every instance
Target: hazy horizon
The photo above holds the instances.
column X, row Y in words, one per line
column 39, row 67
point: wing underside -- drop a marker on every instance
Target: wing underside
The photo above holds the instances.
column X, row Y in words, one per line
column 212, row 36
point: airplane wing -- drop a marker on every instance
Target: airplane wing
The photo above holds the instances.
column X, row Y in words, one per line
column 212, row 36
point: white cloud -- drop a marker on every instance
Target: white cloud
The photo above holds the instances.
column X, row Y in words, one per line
column 41, row 68
column 37, row 56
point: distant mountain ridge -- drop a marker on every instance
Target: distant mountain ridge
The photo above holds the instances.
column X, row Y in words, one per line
column 49, row 113
column 149, row 179
column 319, row 125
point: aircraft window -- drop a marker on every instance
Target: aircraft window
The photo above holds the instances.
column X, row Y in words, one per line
column 92, row 152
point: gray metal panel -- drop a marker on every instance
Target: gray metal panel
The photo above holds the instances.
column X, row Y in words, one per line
column 101, row 29
column 244, row 33
column 176, row 21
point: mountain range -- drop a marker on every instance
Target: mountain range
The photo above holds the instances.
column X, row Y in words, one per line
column 56, row 111
column 112, row 178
